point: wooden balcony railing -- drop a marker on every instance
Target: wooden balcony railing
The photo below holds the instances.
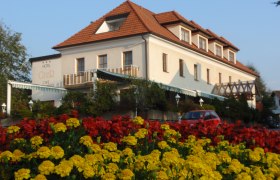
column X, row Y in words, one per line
column 86, row 76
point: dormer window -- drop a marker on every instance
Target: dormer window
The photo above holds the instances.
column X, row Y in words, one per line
column 185, row 35
column 231, row 56
column 115, row 25
column 112, row 23
column 218, row 50
column 202, row 43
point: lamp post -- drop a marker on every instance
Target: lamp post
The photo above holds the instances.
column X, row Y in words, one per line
column 4, row 108
column 30, row 103
column 136, row 93
column 201, row 102
column 177, row 98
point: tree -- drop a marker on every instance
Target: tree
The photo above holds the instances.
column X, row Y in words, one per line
column 277, row 3
column 264, row 94
column 14, row 63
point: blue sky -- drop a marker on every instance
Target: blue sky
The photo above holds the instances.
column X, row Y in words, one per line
column 252, row 25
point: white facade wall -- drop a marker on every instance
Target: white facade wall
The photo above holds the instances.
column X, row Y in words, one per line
column 47, row 72
column 174, row 53
column 114, row 50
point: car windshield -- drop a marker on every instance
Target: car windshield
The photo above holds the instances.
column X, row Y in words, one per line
column 193, row 115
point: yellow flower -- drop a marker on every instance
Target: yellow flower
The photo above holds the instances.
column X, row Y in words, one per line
column 73, row 122
column 40, row 177
column 36, row 141
column 46, row 167
column 43, row 152
column 88, row 171
column 234, row 167
column 130, row 140
column 115, row 157
column 141, row 133
column 243, row 176
column 164, row 127
column 57, row 152
column 13, row 129
column 112, row 168
column 92, row 159
column 95, row 148
column 22, row 174
column 64, row 168
column 126, row 174
column 170, row 132
column 138, row 120
column 161, row 175
column 163, row 145
column 224, row 157
column 17, row 155
column 78, row 162
column 86, row 140
column 108, row 176
column 6, row 156
column 127, row 152
column 59, row 127
column 110, row 146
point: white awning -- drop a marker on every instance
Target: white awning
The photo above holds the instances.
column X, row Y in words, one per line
column 210, row 96
column 177, row 90
column 23, row 85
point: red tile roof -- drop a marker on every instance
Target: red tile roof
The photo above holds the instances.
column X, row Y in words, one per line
column 142, row 21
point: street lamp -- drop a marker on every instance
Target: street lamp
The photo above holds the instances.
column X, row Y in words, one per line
column 177, row 98
column 201, row 102
column 30, row 103
column 4, row 107
column 136, row 93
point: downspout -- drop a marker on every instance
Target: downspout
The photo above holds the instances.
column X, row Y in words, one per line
column 146, row 57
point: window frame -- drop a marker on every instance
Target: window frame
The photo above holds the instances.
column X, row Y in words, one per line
column 181, row 67
column 185, row 31
column 125, row 53
column 208, row 75
column 78, row 66
column 233, row 56
column 99, row 58
column 195, row 72
column 199, row 43
column 220, row 78
column 164, row 62
column 221, row 48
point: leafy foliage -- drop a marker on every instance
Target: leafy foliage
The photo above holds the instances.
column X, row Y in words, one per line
column 14, row 64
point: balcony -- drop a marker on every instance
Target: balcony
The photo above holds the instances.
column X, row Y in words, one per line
column 83, row 79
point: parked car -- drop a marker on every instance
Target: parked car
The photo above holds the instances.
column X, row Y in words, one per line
column 194, row 117
column 273, row 123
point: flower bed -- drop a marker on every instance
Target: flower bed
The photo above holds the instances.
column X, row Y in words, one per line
column 68, row 148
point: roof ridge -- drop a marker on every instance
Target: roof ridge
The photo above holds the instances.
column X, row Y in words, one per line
column 131, row 5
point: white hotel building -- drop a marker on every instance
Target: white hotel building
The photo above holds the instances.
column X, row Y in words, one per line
column 130, row 40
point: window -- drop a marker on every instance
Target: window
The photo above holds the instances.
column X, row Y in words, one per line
column 195, row 72
column 218, row 49
column 80, row 65
column 208, row 76
column 181, row 67
column 229, row 79
column 102, row 62
column 164, row 62
column 202, row 43
column 231, row 56
column 185, row 35
column 220, row 78
column 127, row 57
column 115, row 25
column 112, row 23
